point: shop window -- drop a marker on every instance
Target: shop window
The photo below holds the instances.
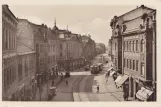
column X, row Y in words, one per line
column 142, row 69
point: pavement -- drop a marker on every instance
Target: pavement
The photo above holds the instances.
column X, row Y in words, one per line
column 107, row 90
column 45, row 87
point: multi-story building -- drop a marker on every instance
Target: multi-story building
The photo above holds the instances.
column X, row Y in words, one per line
column 26, row 60
column 52, row 39
column 135, row 42
column 70, row 50
column 9, row 54
column 41, row 47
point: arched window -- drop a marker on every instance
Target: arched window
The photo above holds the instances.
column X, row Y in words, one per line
column 142, row 45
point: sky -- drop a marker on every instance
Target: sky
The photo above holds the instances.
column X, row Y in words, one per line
column 81, row 19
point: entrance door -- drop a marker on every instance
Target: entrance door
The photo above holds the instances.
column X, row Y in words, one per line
column 132, row 86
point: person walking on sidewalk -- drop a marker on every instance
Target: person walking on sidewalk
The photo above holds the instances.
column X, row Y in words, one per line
column 97, row 88
column 66, row 82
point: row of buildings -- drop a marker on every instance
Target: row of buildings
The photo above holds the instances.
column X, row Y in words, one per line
column 32, row 53
column 132, row 48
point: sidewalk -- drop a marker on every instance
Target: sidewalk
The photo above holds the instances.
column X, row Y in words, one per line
column 44, row 93
column 107, row 91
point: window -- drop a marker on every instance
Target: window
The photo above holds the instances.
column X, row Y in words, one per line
column 133, row 64
column 136, row 45
column 130, row 64
column 133, row 46
column 127, row 48
column 137, row 65
column 6, row 40
column 142, row 45
column 130, row 46
column 142, row 69
column 124, row 46
column 19, row 71
column 127, row 63
column 26, row 67
column 61, row 46
column 124, row 62
column 115, row 45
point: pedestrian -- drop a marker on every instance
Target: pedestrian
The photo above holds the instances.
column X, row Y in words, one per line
column 67, row 82
column 97, row 88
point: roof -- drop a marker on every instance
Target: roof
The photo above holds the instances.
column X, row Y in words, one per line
column 7, row 8
column 142, row 6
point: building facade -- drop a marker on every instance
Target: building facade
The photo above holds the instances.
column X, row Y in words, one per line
column 70, row 48
column 9, row 54
column 137, row 35
column 26, row 60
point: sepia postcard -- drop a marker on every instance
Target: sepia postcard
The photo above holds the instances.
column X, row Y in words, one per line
column 70, row 52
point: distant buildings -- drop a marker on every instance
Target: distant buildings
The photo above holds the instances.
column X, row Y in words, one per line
column 100, row 48
column 133, row 52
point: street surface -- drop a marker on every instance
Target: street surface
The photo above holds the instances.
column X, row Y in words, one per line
column 82, row 86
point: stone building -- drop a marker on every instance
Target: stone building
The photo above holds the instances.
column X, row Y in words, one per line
column 134, row 40
column 26, row 60
column 9, row 54
column 41, row 48
column 70, row 49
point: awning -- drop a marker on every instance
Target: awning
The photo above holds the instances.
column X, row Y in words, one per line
column 118, row 79
column 143, row 94
column 122, row 80
column 112, row 73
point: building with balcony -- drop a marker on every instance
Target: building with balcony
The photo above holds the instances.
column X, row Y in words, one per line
column 136, row 41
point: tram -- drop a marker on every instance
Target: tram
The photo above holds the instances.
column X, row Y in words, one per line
column 96, row 68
